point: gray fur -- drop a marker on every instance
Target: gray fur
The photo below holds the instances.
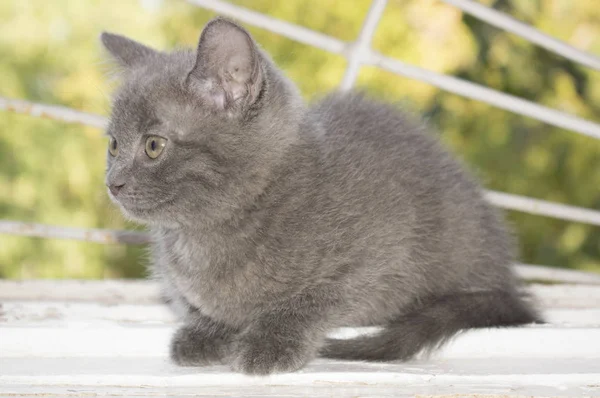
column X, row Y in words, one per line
column 275, row 222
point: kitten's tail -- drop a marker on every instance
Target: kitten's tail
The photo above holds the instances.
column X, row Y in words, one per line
column 430, row 324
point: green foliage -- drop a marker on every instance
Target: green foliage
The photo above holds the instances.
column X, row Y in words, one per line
column 53, row 172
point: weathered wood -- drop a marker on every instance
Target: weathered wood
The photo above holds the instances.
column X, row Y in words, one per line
column 101, row 339
column 107, row 291
column 110, row 338
column 35, row 313
column 147, row 292
column 155, row 376
column 538, row 273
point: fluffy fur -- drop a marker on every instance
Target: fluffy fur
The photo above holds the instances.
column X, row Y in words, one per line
column 275, row 222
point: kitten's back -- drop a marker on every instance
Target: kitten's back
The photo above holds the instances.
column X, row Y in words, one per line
column 436, row 249
column 409, row 189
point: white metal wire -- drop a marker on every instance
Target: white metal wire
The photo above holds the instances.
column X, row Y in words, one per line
column 543, row 208
column 358, row 50
column 357, row 53
column 52, row 112
column 500, row 199
column 510, row 24
column 286, row 29
column 504, row 200
column 84, row 234
column 448, row 83
column 489, row 96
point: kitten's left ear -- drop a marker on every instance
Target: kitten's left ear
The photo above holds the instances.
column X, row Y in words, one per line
column 126, row 52
column 227, row 70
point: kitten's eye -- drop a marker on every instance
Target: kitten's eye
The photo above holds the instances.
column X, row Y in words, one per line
column 113, row 148
column 155, row 146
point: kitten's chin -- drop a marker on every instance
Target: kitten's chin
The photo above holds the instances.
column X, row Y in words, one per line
column 149, row 217
column 131, row 213
column 136, row 217
column 161, row 213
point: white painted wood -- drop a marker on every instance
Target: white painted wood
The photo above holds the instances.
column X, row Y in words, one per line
column 107, row 291
column 540, row 273
column 566, row 296
column 123, row 376
column 105, row 339
column 57, row 313
column 111, row 339
column 147, row 292
column 63, row 312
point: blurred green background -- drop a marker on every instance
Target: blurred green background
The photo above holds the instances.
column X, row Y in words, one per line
column 51, row 172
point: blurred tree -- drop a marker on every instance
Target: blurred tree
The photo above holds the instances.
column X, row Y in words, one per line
column 53, row 172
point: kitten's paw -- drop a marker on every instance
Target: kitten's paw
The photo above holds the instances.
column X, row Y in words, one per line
column 192, row 347
column 264, row 356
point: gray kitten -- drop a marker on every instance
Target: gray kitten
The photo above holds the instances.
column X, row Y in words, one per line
column 275, row 222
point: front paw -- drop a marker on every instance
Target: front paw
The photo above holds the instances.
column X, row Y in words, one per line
column 263, row 355
column 192, row 346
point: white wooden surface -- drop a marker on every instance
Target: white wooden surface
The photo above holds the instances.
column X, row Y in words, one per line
column 72, row 338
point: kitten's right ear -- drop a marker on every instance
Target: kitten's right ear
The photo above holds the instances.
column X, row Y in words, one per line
column 228, row 70
column 126, row 52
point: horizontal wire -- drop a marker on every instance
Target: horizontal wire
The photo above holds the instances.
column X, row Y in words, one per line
column 53, row 112
column 319, row 40
column 448, row 83
column 525, row 31
column 543, row 207
column 505, row 200
column 84, row 234
column 362, row 43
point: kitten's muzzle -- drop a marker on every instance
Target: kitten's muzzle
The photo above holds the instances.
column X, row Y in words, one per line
column 115, row 188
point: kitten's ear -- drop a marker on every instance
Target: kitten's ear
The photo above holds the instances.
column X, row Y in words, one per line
column 126, row 52
column 227, row 70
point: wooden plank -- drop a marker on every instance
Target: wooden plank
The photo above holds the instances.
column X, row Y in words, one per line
column 63, row 312
column 111, row 291
column 101, row 339
column 149, row 376
column 567, row 296
column 35, row 313
column 147, row 292
column 75, row 338
column 538, row 273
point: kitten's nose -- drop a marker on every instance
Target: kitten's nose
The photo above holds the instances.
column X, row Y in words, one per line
column 115, row 188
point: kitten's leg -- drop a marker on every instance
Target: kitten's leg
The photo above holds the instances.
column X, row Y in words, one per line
column 170, row 295
column 431, row 323
column 287, row 337
column 177, row 303
column 201, row 341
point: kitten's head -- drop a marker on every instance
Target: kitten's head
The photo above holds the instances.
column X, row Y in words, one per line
column 195, row 134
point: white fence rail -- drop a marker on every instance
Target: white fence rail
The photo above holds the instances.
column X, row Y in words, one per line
column 360, row 49
column 111, row 338
column 84, row 234
column 358, row 53
column 370, row 57
column 509, row 24
column 53, row 112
